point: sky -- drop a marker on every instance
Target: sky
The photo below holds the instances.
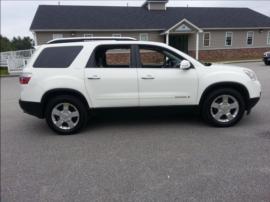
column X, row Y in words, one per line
column 16, row 16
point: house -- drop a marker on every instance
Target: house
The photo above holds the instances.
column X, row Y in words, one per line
column 207, row 33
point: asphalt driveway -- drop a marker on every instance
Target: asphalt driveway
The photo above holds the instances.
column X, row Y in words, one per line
column 170, row 156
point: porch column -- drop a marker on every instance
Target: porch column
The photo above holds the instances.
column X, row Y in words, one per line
column 197, row 45
column 167, row 38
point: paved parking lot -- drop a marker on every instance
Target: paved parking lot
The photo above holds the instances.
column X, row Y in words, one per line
column 170, row 156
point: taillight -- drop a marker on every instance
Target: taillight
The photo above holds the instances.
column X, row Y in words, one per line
column 25, row 78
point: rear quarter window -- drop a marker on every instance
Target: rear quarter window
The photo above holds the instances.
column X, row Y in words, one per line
column 57, row 57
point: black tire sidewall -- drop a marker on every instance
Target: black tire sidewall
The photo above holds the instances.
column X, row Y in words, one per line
column 68, row 99
column 206, row 113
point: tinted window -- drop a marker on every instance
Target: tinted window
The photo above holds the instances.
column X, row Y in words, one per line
column 157, row 57
column 57, row 57
column 111, row 56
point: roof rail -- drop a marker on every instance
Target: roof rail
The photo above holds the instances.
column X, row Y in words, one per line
column 85, row 39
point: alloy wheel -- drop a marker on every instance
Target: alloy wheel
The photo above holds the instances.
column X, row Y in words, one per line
column 224, row 108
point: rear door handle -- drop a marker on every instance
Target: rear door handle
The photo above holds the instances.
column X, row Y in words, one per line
column 148, row 77
column 94, row 77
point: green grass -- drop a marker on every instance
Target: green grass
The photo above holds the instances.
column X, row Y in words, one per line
column 3, row 71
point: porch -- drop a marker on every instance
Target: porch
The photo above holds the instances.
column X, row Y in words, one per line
column 180, row 35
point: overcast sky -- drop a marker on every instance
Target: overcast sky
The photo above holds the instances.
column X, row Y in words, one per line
column 16, row 16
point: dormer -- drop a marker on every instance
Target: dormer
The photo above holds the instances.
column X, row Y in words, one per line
column 155, row 4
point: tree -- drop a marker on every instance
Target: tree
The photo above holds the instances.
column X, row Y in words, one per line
column 22, row 43
column 5, row 44
column 17, row 43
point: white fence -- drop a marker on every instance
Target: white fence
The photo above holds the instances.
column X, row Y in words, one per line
column 15, row 60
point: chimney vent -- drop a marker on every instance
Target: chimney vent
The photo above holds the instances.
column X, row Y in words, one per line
column 155, row 4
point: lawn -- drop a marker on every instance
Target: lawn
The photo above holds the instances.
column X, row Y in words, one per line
column 3, row 71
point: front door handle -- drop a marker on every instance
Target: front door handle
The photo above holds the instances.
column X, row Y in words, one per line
column 94, row 77
column 148, row 77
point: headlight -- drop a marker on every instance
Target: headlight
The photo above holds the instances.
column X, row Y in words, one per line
column 251, row 74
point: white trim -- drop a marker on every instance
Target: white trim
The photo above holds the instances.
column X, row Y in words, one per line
column 116, row 35
column 88, row 35
column 252, row 38
column 209, row 39
column 197, row 46
column 226, row 35
column 145, row 34
column 179, row 23
column 268, row 38
column 167, row 38
column 134, row 30
column 94, row 30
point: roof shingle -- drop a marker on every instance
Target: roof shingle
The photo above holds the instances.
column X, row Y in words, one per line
column 51, row 17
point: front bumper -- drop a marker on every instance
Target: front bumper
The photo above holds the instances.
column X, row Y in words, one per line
column 266, row 58
column 32, row 108
column 251, row 103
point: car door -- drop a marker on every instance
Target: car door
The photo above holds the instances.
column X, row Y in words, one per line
column 110, row 77
column 161, row 81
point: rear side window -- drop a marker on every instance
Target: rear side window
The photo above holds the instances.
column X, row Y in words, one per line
column 111, row 56
column 57, row 57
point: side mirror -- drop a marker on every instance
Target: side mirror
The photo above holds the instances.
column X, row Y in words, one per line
column 184, row 65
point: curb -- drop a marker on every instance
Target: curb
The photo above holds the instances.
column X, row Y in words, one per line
column 240, row 61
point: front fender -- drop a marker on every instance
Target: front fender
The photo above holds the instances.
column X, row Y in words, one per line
column 226, row 78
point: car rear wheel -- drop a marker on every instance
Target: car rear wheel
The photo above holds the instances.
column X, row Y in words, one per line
column 223, row 107
column 66, row 114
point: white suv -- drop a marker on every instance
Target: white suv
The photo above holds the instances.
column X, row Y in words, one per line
column 68, row 78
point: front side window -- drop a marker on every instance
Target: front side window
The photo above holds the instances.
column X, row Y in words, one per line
column 144, row 37
column 206, row 39
column 228, row 38
column 250, row 36
column 157, row 57
column 111, row 56
column 57, row 57
column 268, row 38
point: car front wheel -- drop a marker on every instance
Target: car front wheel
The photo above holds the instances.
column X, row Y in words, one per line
column 66, row 114
column 223, row 107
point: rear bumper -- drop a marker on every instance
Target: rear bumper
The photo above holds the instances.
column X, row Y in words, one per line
column 32, row 108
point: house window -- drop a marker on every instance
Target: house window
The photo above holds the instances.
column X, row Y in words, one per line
column 228, row 38
column 58, row 35
column 144, row 37
column 88, row 35
column 206, row 39
column 268, row 38
column 116, row 35
column 250, row 36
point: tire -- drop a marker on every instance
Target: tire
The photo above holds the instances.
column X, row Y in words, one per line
column 66, row 114
column 217, row 112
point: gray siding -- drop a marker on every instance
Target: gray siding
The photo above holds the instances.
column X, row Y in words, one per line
column 43, row 37
column 217, row 40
